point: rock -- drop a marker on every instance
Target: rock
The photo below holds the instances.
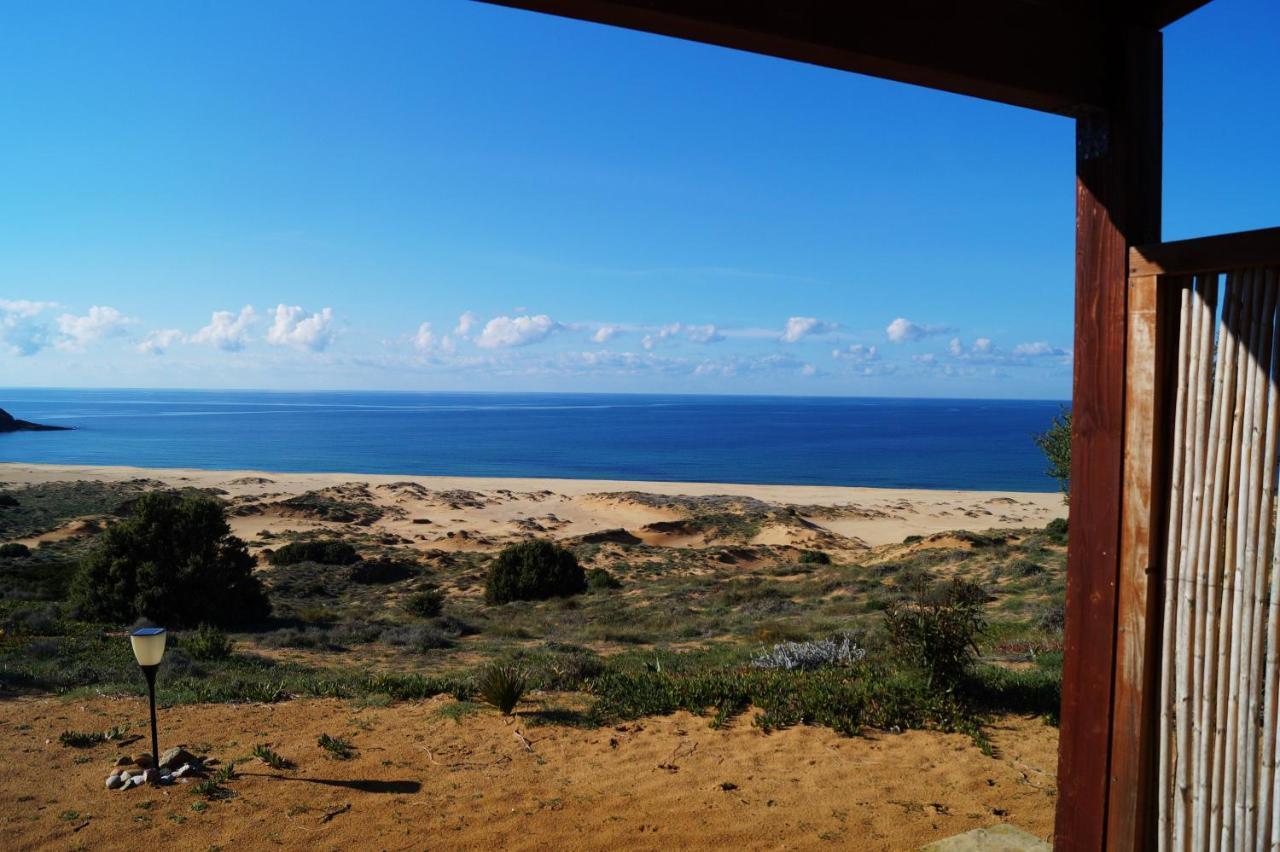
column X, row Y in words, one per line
column 125, row 776
column 166, row 778
column 113, row 781
column 182, row 771
column 151, row 776
column 143, row 759
column 123, row 760
column 175, row 757
column 8, row 423
column 136, row 781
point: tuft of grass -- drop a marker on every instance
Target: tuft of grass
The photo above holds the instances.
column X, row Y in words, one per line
column 337, row 747
column 214, row 787
column 457, row 710
column 89, row 739
column 207, row 643
column 271, row 758
column 502, row 686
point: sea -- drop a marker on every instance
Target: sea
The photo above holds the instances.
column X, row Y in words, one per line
column 892, row 443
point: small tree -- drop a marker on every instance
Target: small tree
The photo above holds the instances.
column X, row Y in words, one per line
column 937, row 629
column 533, row 570
column 173, row 561
column 1055, row 443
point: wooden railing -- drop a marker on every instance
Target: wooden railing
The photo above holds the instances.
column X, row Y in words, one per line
column 1160, row 277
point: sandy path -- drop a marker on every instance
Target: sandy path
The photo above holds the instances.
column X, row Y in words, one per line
column 872, row 515
column 424, row 781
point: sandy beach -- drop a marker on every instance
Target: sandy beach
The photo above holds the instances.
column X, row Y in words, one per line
column 461, row 513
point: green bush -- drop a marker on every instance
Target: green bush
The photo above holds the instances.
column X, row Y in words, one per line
column 533, row 570
column 207, row 643
column 1055, row 443
column 14, row 550
column 381, row 571
column 1056, row 530
column 815, row 557
column 936, row 629
column 173, row 561
column 502, row 686
column 425, row 603
column 600, row 580
column 326, row 552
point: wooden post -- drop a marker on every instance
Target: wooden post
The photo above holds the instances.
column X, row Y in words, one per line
column 1117, row 206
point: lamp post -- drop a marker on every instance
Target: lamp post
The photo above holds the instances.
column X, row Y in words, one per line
column 148, row 648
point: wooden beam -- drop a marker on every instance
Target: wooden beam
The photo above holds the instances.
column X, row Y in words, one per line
column 1150, row 357
column 1045, row 56
column 1117, row 206
column 1242, row 250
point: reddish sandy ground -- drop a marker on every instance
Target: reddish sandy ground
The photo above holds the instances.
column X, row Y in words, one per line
column 424, row 781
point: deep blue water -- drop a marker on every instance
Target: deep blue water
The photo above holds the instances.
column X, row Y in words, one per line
column 900, row 443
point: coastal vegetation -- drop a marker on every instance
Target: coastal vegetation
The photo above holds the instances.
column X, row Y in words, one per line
column 935, row 631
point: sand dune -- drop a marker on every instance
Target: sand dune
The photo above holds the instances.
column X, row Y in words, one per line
column 456, row 513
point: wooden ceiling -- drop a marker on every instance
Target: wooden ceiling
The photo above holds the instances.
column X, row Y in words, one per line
column 1050, row 55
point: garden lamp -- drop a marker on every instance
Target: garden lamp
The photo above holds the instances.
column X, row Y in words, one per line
column 148, row 647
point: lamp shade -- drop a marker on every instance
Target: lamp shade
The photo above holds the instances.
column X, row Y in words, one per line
column 148, row 645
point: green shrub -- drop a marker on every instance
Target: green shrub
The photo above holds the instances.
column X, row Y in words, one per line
column 207, row 643
column 533, row 570
column 173, row 561
column 14, row 550
column 936, row 629
column 326, row 552
column 1056, row 530
column 815, row 557
column 271, row 758
column 502, row 686
column 600, row 580
column 912, row 539
column 425, row 603
column 1055, row 443
column 381, row 571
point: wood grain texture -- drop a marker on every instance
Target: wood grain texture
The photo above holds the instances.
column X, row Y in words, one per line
column 1117, row 206
column 1220, row 253
column 1153, row 318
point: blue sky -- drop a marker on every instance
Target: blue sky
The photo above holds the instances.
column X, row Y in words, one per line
column 453, row 196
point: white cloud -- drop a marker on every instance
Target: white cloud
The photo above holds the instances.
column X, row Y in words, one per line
column 227, row 331
column 294, row 327
column 1037, row 349
column 648, row 342
column 20, row 331
column 982, row 345
column 25, row 307
column 158, row 342
column 903, row 330
column 955, row 347
column 605, row 333
column 799, row 328
column 428, row 341
column 808, row 370
column 101, row 321
column 703, row 333
column 857, row 353
column 466, row 322
column 505, row 332
column 926, row 358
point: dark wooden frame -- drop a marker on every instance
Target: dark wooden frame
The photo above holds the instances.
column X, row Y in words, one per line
column 1098, row 61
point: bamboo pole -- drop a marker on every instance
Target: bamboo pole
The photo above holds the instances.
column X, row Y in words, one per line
column 1172, row 546
column 1233, row 768
column 1234, row 324
column 1259, row 529
column 1266, row 798
column 1186, row 586
column 1210, row 570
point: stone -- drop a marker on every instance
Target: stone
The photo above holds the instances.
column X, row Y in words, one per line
column 996, row 838
column 182, row 770
column 175, row 757
column 137, row 781
column 113, row 781
column 151, row 776
column 143, row 759
column 125, row 776
column 123, row 760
